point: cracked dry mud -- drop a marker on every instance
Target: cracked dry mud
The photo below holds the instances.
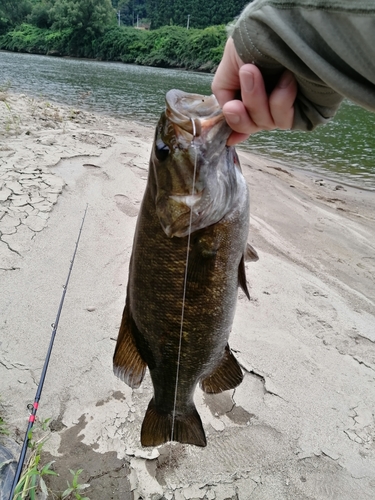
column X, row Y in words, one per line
column 301, row 426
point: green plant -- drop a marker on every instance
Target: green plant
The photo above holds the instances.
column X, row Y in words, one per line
column 12, row 119
column 31, row 480
column 3, row 427
column 73, row 490
column 33, row 104
column 5, row 86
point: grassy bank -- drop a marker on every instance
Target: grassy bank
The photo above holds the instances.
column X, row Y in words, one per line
column 169, row 46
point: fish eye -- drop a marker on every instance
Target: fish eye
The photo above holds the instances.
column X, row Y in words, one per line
column 161, row 150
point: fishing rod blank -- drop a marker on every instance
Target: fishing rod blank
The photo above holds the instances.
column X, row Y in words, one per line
column 34, row 407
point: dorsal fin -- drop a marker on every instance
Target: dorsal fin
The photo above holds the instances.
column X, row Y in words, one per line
column 242, row 277
column 251, row 255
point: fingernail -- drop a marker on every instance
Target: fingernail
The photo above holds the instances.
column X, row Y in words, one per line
column 232, row 118
column 285, row 80
column 247, row 82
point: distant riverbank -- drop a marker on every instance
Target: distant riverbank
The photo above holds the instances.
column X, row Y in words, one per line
column 166, row 47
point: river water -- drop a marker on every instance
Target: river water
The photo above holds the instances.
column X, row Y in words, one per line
column 343, row 150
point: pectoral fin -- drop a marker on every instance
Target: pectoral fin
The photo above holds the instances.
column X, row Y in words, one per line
column 227, row 375
column 202, row 258
column 127, row 362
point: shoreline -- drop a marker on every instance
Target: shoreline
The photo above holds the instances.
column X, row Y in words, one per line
column 323, row 174
column 305, row 340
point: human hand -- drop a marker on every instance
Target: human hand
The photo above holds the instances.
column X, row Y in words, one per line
column 256, row 111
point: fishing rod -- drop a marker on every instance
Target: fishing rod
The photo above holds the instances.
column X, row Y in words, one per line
column 34, row 407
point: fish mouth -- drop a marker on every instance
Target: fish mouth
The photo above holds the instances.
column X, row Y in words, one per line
column 195, row 115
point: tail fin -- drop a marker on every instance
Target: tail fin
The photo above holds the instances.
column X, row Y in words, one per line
column 157, row 427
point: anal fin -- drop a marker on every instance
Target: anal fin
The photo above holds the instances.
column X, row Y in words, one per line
column 227, row 375
column 157, row 427
column 127, row 362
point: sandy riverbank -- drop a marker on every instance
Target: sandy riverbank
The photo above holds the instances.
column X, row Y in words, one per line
column 303, row 424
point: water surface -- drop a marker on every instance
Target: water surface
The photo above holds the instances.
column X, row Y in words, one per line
column 342, row 150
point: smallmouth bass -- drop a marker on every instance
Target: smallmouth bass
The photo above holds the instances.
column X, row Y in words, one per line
column 190, row 137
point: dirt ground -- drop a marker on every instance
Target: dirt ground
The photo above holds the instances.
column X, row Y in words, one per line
column 301, row 426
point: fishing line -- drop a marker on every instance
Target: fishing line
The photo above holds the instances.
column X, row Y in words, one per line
column 34, row 407
column 184, row 291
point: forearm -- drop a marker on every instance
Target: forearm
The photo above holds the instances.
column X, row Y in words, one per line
column 329, row 46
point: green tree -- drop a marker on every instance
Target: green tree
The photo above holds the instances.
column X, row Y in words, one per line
column 41, row 14
column 13, row 12
column 201, row 13
column 86, row 17
column 129, row 10
column 87, row 20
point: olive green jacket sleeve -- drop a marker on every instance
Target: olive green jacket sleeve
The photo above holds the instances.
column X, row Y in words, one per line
column 328, row 44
